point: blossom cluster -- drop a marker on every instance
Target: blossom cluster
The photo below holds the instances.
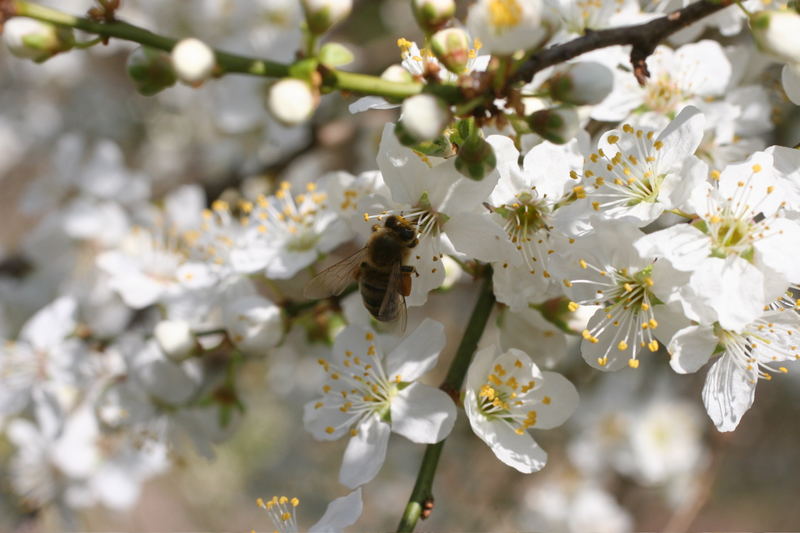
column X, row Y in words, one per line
column 648, row 225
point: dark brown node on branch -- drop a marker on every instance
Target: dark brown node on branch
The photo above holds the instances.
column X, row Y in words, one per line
column 642, row 37
column 639, row 57
column 104, row 13
column 427, row 508
column 454, row 393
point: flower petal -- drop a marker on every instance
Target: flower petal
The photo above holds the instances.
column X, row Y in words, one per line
column 340, row 513
column 558, row 399
column 728, row 393
column 423, row 414
column 417, row 353
column 365, row 453
column 691, row 348
column 518, row 451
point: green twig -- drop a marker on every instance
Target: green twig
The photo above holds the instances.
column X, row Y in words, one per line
column 422, row 494
column 228, row 63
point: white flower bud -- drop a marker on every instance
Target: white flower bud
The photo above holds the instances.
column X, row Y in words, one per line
column 424, row 117
column 39, row 41
column 321, row 15
column 509, row 25
column 777, row 33
column 193, row 61
column 583, row 83
column 175, row 339
column 291, row 101
column 254, row 324
column 433, row 14
column 451, row 47
column 397, row 74
column 558, row 125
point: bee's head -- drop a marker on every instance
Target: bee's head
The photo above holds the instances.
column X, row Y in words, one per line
column 404, row 229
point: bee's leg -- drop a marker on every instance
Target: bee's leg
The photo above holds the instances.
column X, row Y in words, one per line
column 375, row 227
column 405, row 280
column 413, row 244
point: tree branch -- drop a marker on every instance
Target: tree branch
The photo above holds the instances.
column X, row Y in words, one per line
column 642, row 37
column 420, row 504
column 228, row 63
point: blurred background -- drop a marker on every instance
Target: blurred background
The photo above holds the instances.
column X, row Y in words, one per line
column 640, row 454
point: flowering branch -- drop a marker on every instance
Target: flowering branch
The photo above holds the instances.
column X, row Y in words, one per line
column 227, row 63
column 231, row 63
column 642, row 37
column 421, row 501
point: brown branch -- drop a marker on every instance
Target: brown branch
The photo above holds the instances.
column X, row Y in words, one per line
column 643, row 37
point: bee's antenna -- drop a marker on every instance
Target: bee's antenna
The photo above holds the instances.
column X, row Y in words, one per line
column 488, row 207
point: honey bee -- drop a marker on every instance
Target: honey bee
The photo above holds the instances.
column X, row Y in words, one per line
column 384, row 279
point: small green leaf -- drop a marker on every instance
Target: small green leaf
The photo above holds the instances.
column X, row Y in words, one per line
column 335, row 55
column 304, row 69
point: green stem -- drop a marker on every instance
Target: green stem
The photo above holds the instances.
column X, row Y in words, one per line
column 422, row 493
column 744, row 9
column 232, row 63
column 122, row 30
column 366, row 84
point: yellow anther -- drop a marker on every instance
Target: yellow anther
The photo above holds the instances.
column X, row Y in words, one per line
column 613, row 139
column 573, row 306
column 622, row 346
column 757, row 168
column 633, row 363
column 602, row 361
column 653, row 345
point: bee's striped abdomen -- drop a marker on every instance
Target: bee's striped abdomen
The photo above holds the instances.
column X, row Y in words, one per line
column 373, row 284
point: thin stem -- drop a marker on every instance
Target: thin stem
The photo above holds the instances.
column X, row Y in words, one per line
column 422, row 494
column 230, row 63
column 744, row 9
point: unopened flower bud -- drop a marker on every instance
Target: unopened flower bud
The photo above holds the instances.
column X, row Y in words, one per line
column 291, row 101
column 321, row 15
column 583, row 83
column 38, row 41
column 452, row 47
column 475, row 158
column 151, row 70
column 175, row 339
column 424, row 117
column 558, row 124
column 777, row 33
column 254, row 324
column 397, row 74
column 193, row 61
column 433, row 14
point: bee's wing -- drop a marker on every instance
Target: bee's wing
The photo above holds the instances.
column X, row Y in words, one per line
column 394, row 303
column 335, row 279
